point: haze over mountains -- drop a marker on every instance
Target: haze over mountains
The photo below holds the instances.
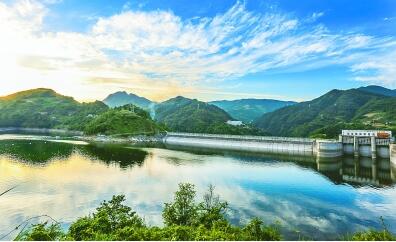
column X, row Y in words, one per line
column 248, row 110
column 119, row 99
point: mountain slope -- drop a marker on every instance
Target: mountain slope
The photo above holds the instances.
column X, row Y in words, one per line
column 328, row 114
column 44, row 108
column 379, row 90
column 247, row 110
column 122, row 98
column 190, row 115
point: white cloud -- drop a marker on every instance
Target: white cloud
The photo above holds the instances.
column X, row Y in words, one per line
column 159, row 50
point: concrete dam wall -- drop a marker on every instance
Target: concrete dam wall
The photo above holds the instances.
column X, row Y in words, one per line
column 257, row 144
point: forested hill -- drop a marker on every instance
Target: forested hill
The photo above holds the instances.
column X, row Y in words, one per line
column 44, row 108
column 328, row 114
column 190, row 115
column 247, row 110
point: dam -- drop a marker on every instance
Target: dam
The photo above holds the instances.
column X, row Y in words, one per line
column 257, row 144
column 358, row 143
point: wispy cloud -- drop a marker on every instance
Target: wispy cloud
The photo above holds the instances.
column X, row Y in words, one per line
column 160, row 49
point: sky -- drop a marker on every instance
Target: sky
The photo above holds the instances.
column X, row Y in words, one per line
column 209, row 50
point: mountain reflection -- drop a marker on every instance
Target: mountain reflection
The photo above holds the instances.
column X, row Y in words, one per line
column 114, row 154
column 34, row 151
column 38, row 152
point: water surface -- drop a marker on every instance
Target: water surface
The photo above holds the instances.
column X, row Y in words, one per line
column 317, row 200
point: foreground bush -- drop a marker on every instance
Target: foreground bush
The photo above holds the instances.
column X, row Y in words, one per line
column 184, row 220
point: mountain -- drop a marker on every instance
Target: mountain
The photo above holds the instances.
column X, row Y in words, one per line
column 190, row 115
column 327, row 115
column 379, row 90
column 247, row 110
column 44, row 108
column 122, row 98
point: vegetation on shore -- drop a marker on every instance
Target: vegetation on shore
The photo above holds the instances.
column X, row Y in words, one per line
column 184, row 219
column 125, row 120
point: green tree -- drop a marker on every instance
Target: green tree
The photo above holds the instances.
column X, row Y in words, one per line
column 108, row 220
column 211, row 210
column 183, row 210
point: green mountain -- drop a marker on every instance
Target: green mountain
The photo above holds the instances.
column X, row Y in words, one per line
column 119, row 99
column 190, row 115
column 327, row 115
column 247, row 110
column 44, row 108
column 379, row 90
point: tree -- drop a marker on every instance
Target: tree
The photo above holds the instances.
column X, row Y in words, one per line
column 183, row 210
column 110, row 217
column 211, row 209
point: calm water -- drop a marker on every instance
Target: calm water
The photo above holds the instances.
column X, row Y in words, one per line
column 69, row 179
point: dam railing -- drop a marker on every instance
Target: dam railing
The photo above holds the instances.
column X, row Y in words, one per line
column 243, row 137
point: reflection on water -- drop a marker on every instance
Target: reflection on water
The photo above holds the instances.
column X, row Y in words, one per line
column 34, row 151
column 114, row 154
column 320, row 199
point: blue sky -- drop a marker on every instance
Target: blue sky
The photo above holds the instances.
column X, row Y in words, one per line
column 223, row 49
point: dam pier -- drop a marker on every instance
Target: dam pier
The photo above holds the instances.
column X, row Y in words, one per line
column 358, row 143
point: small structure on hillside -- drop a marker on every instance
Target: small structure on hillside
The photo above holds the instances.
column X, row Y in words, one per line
column 234, row 123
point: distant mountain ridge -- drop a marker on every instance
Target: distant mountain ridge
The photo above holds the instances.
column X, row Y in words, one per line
column 248, row 110
column 327, row 115
column 379, row 90
column 119, row 99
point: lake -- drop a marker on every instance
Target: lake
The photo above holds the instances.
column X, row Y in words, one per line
column 317, row 200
